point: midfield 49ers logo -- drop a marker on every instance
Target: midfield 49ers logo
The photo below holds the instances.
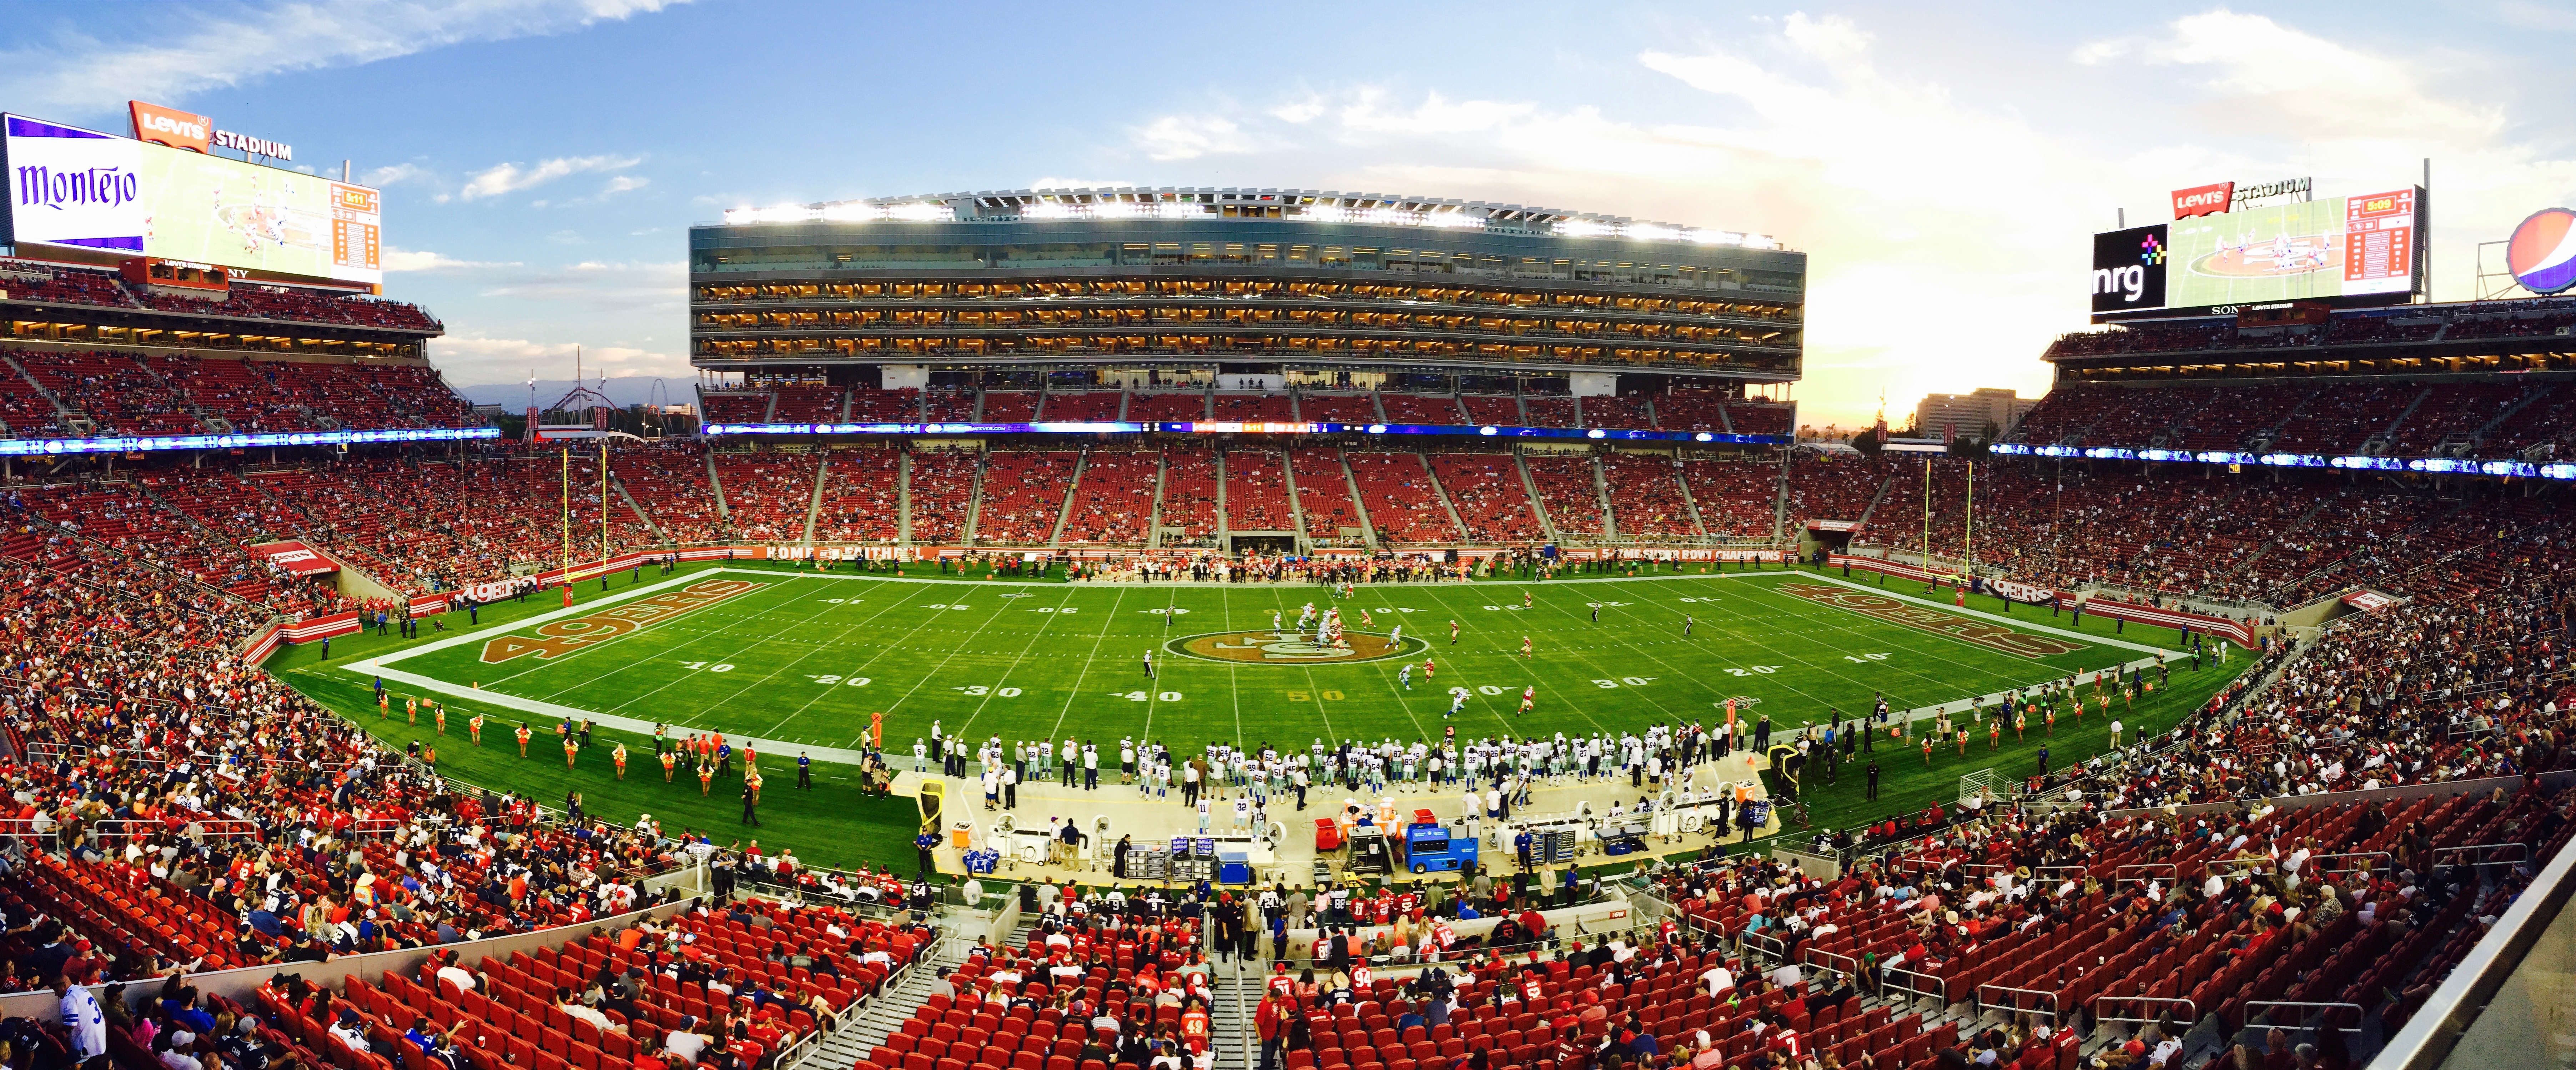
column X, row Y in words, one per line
column 1969, row 629
column 1290, row 648
column 567, row 636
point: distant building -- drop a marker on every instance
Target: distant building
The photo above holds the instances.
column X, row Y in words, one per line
column 1968, row 414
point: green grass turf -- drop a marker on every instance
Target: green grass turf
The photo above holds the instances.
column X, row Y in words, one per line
column 1043, row 660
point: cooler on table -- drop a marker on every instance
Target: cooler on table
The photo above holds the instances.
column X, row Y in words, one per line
column 1328, row 834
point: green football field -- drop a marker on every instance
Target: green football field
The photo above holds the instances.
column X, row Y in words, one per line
column 808, row 660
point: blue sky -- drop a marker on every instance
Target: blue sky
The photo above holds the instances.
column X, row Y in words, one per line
column 1942, row 165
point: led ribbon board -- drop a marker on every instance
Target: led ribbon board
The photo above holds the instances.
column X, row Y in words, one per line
column 2434, row 465
column 1285, row 427
column 22, row 447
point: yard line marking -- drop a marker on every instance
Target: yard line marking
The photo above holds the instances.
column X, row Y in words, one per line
column 709, row 632
column 953, row 650
column 701, row 711
column 1107, row 621
column 1313, row 689
column 1014, row 666
column 826, row 692
column 1531, row 669
column 463, row 638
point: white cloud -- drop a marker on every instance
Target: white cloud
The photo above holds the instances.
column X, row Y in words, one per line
column 392, row 175
column 1186, row 137
column 1302, row 111
column 1947, row 218
column 511, row 177
column 193, row 49
column 599, row 286
column 467, row 359
column 2276, row 73
column 621, row 184
column 424, row 261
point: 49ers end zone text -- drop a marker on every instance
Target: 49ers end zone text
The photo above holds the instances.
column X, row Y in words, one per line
column 567, row 636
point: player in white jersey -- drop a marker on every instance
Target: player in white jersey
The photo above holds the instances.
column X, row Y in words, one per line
column 1395, row 638
column 1404, row 675
column 1457, row 702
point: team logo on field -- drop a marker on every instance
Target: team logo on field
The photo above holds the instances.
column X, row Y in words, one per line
column 1290, row 648
column 560, row 637
column 1966, row 629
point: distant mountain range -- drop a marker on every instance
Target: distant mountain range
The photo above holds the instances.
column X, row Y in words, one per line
column 621, row 390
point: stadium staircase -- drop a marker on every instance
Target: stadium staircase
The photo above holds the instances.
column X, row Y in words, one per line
column 1697, row 524
column 2383, row 440
column 1359, row 507
column 1432, row 479
column 1601, row 486
column 974, row 504
column 1529, row 486
column 903, row 496
column 1154, row 518
column 641, row 517
column 1072, row 487
column 2510, row 411
column 78, row 424
column 1230, row 1027
column 885, row 1013
column 822, row 476
column 716, row 487
column 1296, row 505
column 1216, row 462
column 1874, row 499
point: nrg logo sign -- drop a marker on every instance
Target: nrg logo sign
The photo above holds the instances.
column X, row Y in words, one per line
column 2129, row 269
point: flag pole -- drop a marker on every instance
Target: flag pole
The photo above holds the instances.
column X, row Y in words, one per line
column 603, row 498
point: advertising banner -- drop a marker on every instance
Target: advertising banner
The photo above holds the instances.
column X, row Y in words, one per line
column 295, row 557
column 2203, row 200
column 320, row 628
column 85, row 189
column 2129, row 269
column 2209, row 256
column 69, row 186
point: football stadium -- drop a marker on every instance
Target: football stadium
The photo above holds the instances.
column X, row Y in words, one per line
column 1229, row 627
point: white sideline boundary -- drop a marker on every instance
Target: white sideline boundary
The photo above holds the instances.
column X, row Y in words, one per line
column 378, row 666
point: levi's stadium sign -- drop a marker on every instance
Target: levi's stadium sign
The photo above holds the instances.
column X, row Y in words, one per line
column 2202, row 200
column 196, row 133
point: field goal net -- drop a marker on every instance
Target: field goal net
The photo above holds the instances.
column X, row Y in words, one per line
column 1973, row 784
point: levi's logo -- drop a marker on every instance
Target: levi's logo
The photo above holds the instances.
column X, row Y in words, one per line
column 172, row 127
column 2203, row 200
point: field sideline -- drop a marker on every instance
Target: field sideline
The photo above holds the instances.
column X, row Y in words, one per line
column 803, row 660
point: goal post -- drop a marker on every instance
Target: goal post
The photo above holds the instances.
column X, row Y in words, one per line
column 1975, row 783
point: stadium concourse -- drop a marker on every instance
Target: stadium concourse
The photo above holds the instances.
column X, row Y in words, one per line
column 2330, row 835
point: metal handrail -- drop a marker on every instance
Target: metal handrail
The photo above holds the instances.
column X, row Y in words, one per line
column 2101, row 1017
column 1940, row 989
column 2052, row 998
column 2438, row 852
column 2210, row 868
column 2358, row 1012
column 2172, row 869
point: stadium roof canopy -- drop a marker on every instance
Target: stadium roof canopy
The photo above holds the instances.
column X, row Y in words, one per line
column 1175, row 203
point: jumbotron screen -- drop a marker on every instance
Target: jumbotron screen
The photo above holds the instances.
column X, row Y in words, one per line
column 83, row 189
column 2334, row 247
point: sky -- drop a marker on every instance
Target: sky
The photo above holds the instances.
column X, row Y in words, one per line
column 1942, row 165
